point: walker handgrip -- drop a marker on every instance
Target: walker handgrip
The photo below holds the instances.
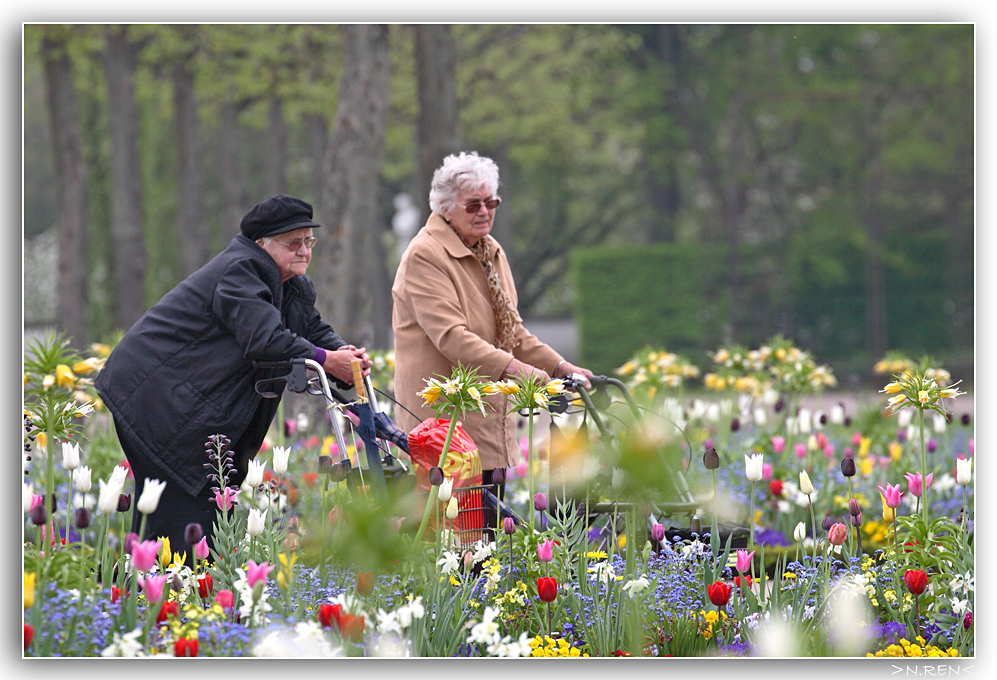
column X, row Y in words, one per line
column 358, row 379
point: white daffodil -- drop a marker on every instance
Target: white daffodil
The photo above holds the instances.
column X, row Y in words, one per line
column 70, row 455
column 482, row 632
column 449, row 562
column 482, row 551
column 637, row 585
column 280, row 457
column 151, row 492
column 387, row 622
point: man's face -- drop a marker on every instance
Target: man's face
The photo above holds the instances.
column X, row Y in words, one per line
column 292, row 261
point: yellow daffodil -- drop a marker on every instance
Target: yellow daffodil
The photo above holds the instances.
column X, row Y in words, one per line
column 64, row 376
column 29, row 589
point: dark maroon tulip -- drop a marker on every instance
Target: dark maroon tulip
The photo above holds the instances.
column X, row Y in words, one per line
column 39, row 515
column 325, row 464
column 53, row 503
column 124, row 502
column 853, row 507
column 338, row 472
column 848, row 467
column 509, row 526
column 965, row 419
column 498, row 476
column 435, row 476
column 82, row 518
column 779, row 405
column 735, row 424
column 848, row 421
column 710, row 459
column 823, row 419
column 193, row 533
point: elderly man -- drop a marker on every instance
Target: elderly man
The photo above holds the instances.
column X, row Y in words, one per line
column 185, row 370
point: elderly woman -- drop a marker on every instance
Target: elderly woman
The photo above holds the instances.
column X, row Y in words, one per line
column 185, row 370
column 455, row 301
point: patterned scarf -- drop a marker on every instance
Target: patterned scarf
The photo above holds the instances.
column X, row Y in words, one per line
column 506, row 316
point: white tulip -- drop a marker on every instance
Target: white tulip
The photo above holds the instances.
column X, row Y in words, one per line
column 837, row 416
column 254, row 474
column 256, row 522
column 452, row 508
column 804, row 421
column 963, row 470
column 118, row 477
column 761, row 419
column 800, row 532
column 446, row 489
column 82, row 478
column 107, row 501
column 753, row 467
column 280, row 456
column 70, row 455
column 149, row 500
column 805, row 486
column 27, row 496
column 940, row 423
column 904, row 418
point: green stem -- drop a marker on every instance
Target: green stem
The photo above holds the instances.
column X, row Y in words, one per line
column 434, row 489
column 529, row 500
column 69, row 508
column 813, row 521
column 751, row 520
column 924, row 470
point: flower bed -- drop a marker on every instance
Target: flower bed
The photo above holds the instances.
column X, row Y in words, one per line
column 861, row 532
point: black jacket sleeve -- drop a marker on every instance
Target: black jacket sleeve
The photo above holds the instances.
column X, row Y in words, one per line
column 244, row 306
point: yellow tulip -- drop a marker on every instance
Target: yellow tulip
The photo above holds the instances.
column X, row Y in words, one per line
column 865, row 466
column 888, row 513
column 896, row 451
column 64, row 376
column 864, row 444
column 29, row 589
column 166, row 556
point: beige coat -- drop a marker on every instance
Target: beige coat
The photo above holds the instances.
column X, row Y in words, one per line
column 443, row 314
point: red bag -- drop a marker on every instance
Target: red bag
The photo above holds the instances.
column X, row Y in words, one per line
column 462, row 465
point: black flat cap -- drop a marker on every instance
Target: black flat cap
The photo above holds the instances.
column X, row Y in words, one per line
column 277, row 215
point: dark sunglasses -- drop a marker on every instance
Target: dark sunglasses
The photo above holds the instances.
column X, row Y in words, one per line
column 475, row 206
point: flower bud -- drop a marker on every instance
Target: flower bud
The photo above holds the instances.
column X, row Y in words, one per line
column 710, row 459
column 853, row 507
column 38, row 514
column 124, row 502
column 658, row 533
column 509, row 526
column 848, row 467
column 435, row 476
column 857, row 519
column 498, row 476
column 931, row 446
column 696, row 525
column 193, row 533
column 965, row 419
column 827, row 523
column 735, row 424
column 848, row 421
column 176, row 582
column 82, row 518
column 325, row 464
column 837, row 533
column 131, row 539
column 967, row 620
column 540, row 502
column 292, row 525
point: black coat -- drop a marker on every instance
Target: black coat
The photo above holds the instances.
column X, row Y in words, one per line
column 184, row 371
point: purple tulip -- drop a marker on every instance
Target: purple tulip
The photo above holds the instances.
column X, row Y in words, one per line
column 827, row 523
column 540, row 502
column 131, row 538
column 658, row 532
column 509, row 526
column 932, row 446
column 498, row 476
column 545, row 551
column 901, row 436
column 848, row 467
column 82, row 518
column 857, row 520
column 853, row 507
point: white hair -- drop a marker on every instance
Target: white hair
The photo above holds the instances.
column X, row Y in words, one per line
column 465, row 171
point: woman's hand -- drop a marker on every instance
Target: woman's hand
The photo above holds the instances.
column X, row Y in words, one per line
column 338, row 362
column 566, row 368
column 517, row 369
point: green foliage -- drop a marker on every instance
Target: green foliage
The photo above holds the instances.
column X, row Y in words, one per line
column 661, row 295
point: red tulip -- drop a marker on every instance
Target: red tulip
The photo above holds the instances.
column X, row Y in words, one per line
column 185, row 647
column 737, row 581
column 205, row 585
column 327, row 613
column 29, row 634
column 310, row 478
column 352, row 627
column 365, row 583
column 775, row 487
column 168, row 609
column 547, row 588
column 719, row 593
column 225, row 599
column 115, row 594
column 916, row 581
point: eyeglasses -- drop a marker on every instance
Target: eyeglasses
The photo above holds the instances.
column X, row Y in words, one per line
column 475, row 206
column 295, row 245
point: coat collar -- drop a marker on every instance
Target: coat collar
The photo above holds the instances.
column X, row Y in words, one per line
column 438, row 228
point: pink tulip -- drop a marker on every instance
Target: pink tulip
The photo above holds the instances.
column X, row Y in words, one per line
column 856, row 439
column 144, row 554
column 837, row 534
column 801, row 451
column 36, row 500
column 849, row 452
column 257, row 572
column 884, row 461
column 153, row 587
column 766, row 470
column 545, row 551
column 201, row 551
column 744, row 560
column 972, row 447
column 821, row 440
column 225, row 599
column 522, row 469
column 892, row 495
column 224, row 500
column 914, row 482
column 778, row 444
column 829, row 451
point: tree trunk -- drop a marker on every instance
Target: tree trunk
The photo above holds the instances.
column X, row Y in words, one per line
column 663, row 177
column 350, row 262
column 317, row 128
column 71, row 178
column 128, row 252
column 192, row 233
column 871, row 190
column 276, row 162
column 436, row 132
column 233, row 181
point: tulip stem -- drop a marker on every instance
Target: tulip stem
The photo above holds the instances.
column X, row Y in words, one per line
column 529, row 439
column 434, row 489
column 924, row 469
column 69, row 508
column 813, row 521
